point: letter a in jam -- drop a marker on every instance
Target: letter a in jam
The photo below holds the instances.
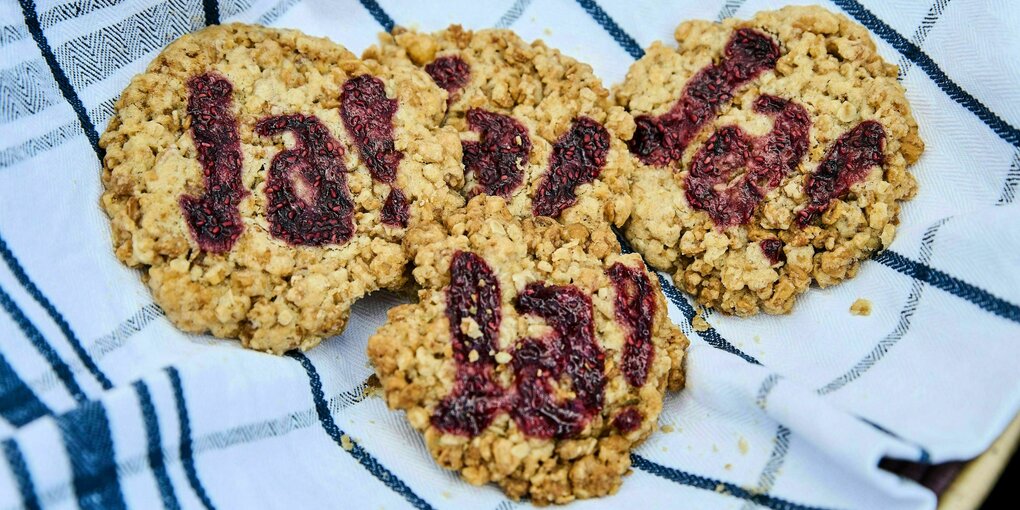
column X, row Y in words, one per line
column 308, row 202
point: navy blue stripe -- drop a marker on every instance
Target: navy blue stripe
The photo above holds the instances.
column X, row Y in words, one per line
column 710, row 335
column 776, row 459
column 912, row 52
column 32, row 333
column 65, row 328
column 513, row 13
column 1011, row 181
column 89, row 445
column 22, row 476
column 925, row 455
column 18, row 404
column 32, row 21
column 622, row 38
column 379, row 14
column 360, row 454
column 155, row 447
column 730, row 8
column 212, row 11
column 710, row 484
column 186, row 448
column 954, row 286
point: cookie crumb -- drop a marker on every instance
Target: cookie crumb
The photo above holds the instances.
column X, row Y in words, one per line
column 699, row 324
column 547, row 32
column 861, row 307
column 667, row 428
column 346, row 443
column 728, row 467
column 742, row 446
column 447, row 495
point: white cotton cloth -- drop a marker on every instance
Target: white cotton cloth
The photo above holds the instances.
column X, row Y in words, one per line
column 104, row 404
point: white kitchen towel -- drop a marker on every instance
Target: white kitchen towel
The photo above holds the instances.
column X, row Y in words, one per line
column 104, row 404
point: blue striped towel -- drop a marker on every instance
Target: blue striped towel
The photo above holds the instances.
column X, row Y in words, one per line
column 103, row 404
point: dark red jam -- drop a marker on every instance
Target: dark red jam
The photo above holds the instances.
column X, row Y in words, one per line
column 499, row 155
column 476, row 398
column 577, row 158
column 847, row 162
column 568, row 350
column 396, row 210
column 628, row 420
column 308, row 202
column 661, row 140
column 773, row 250
column 213, row 217
column 734, row 171
column 635, row 311
column 451, row 73
column 368, row 116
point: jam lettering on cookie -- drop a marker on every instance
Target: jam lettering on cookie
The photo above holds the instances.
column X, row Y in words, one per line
column 497, row 158
column 628, row 420
column 473, row 310
column 568, row 350
column 308, row 202
column 635, row 311
column 213, row 217
column 395, row 210
column 577, row 158
column 451, row 73
column 847, row 162
column 715, row 184
column 661, row 140
column 773, row 250
column 368, row 116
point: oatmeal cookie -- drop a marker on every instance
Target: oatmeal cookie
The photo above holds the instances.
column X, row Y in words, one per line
column 771, row 153
column 537, row 127
column 536, row 356
column 263, row 180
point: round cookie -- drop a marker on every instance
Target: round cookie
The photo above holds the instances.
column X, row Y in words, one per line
column 263, row 181
column 771, row 153
column 537, row 127
column 536, row 357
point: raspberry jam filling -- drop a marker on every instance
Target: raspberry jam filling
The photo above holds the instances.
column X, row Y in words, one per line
column 396, row 211
column 773, row 250
column 308, row 202
column 661, row 140
column 499, row 155
column 847, row 162
column 569, row 349
column 451, row 73
column 715, row 184
column 577, row 158
column 472, row 296
column 628, row 420
column 635, row 311
column 368, row 116
column 213, row 217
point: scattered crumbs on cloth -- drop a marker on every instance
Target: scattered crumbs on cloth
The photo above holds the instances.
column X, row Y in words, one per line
column 861, row 307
